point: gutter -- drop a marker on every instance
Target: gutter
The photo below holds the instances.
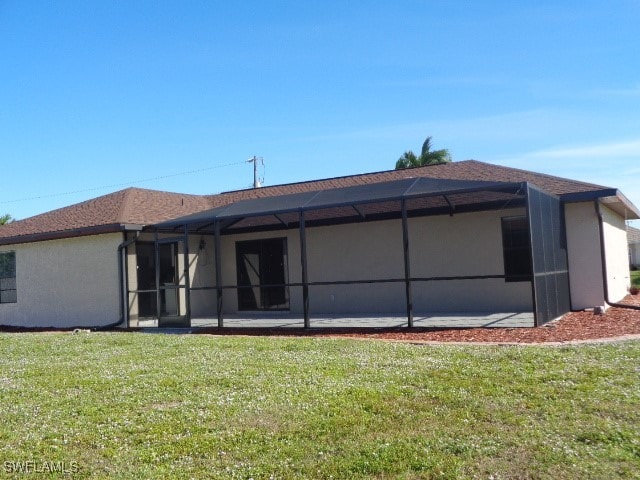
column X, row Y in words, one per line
column 72, row 233
column 123, row 283
column 603, row 258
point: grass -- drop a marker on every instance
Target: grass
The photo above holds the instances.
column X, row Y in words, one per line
column 167, row 406
column 635, row 278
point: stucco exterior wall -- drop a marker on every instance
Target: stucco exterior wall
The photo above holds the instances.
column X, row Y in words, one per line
column 132, row 283
column 616, row 254
column 202, row 274
column 65, row 283
column 465, row 244
column 583, row 249
column 585, row 262
column 368, row 251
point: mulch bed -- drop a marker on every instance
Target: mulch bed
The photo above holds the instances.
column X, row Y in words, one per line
column 572, row 327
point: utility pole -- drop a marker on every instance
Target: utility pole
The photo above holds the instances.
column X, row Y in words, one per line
column 256, row 180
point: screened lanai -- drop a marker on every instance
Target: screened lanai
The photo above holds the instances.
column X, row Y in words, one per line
column 404, row 250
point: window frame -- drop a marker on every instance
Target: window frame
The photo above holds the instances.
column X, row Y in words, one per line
column 516, row 248
column 9, row 274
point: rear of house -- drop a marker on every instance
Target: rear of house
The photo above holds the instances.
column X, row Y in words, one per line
column 139, row 257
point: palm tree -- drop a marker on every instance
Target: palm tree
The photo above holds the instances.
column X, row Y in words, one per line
column 4, row 219
column 427, row 157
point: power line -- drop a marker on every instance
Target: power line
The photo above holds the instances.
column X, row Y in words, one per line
column 115, row 185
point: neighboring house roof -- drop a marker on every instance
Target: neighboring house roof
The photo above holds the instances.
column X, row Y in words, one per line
column 633, row 236
column 134, row 208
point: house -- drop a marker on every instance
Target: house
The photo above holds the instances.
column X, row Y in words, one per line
column 633, row 238
column 457, row 238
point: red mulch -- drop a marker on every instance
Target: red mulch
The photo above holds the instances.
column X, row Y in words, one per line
column 574, row 326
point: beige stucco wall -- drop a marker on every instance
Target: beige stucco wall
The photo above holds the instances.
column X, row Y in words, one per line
column 202, row 274
column 585, row 263
column 616, row 254
column 65, row 283
column 132, row 283
column 368, row 251
column 465, row 244
column 583, row 249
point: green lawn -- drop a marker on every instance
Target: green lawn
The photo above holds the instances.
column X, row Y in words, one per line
column 167, row 406
column 635, row 278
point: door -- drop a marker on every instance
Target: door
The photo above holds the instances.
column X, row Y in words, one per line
column 168, row 276
column 261, row 267
column 169, row 288
column 146, row 273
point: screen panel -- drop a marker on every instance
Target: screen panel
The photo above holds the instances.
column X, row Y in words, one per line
column 549, row 255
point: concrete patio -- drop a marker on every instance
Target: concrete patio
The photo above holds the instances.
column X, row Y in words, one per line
column 423, row 320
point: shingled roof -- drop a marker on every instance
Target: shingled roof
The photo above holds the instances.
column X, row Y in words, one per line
column 127, row 209
column 133, row 208
column 464, row 170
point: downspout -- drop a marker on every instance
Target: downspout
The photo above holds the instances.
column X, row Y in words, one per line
column 603, row 258
column 123, row 283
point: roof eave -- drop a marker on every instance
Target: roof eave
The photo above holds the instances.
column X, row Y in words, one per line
column 63, row 234
column 612, row 197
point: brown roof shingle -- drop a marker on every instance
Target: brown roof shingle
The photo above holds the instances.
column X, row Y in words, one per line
column 108, row 213
column 136, row 206
column 464, row 170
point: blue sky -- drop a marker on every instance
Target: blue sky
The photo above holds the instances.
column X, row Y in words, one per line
column 97, row 96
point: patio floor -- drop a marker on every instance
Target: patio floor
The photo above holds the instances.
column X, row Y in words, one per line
column 423, row 320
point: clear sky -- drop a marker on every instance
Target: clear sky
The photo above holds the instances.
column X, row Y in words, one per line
column 96, row 95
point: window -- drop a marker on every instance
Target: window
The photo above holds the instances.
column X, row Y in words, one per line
column 515, row 245
column 8, row 277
